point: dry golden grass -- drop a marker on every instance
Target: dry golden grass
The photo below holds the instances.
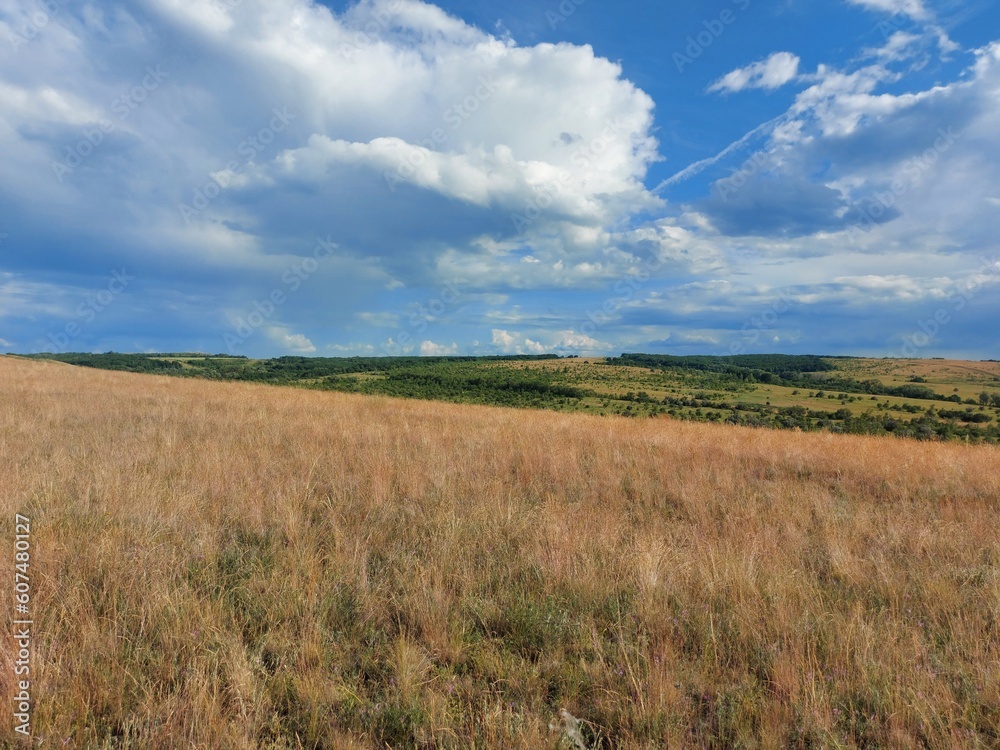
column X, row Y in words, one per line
column 237, row 566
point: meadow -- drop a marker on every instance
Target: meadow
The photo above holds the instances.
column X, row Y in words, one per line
column 241, row 565
column 924, row 399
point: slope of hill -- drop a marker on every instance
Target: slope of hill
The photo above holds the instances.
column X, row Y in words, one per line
column 946, row 401
column 234, row 565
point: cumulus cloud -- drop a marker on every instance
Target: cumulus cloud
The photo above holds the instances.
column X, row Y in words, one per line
column 849, row 157
column 855, row 207
column 574, row 341
column 430, row 349
column 404, row 133
column 290, row 343
column 563, row 342
column 772, row 73
column 506, row 342
column 434, row 154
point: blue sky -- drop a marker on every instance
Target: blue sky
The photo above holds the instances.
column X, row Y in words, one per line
column 269, row 177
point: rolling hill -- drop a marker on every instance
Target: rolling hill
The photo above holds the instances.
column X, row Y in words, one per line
column 238, row 565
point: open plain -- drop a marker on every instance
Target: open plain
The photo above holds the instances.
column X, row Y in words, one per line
column 235, row 565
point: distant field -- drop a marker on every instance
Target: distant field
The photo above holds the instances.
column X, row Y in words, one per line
column 925, row 399
column 237, row 565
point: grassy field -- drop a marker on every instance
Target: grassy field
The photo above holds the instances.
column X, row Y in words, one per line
column 235, row 565
column 925, row 399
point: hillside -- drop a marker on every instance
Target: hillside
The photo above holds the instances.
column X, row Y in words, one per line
column 238, row 565
column 923, row 399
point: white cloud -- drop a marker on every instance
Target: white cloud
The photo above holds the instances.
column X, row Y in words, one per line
column 548, row 342
column 772, row 73
column 506, row 341
column 915, row 11
column 913, row 8
column 415, row 138
column 514, row 343
column 898, row 47
column 430, row 349
column 573, row 341
column 475, row 177
column 839, row 101
column 392, row 346
column 946, row 44
column 291, row 343
column 401, row 117
column 5, row 343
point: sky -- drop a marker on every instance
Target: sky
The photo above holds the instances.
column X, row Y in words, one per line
column 584, row 177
